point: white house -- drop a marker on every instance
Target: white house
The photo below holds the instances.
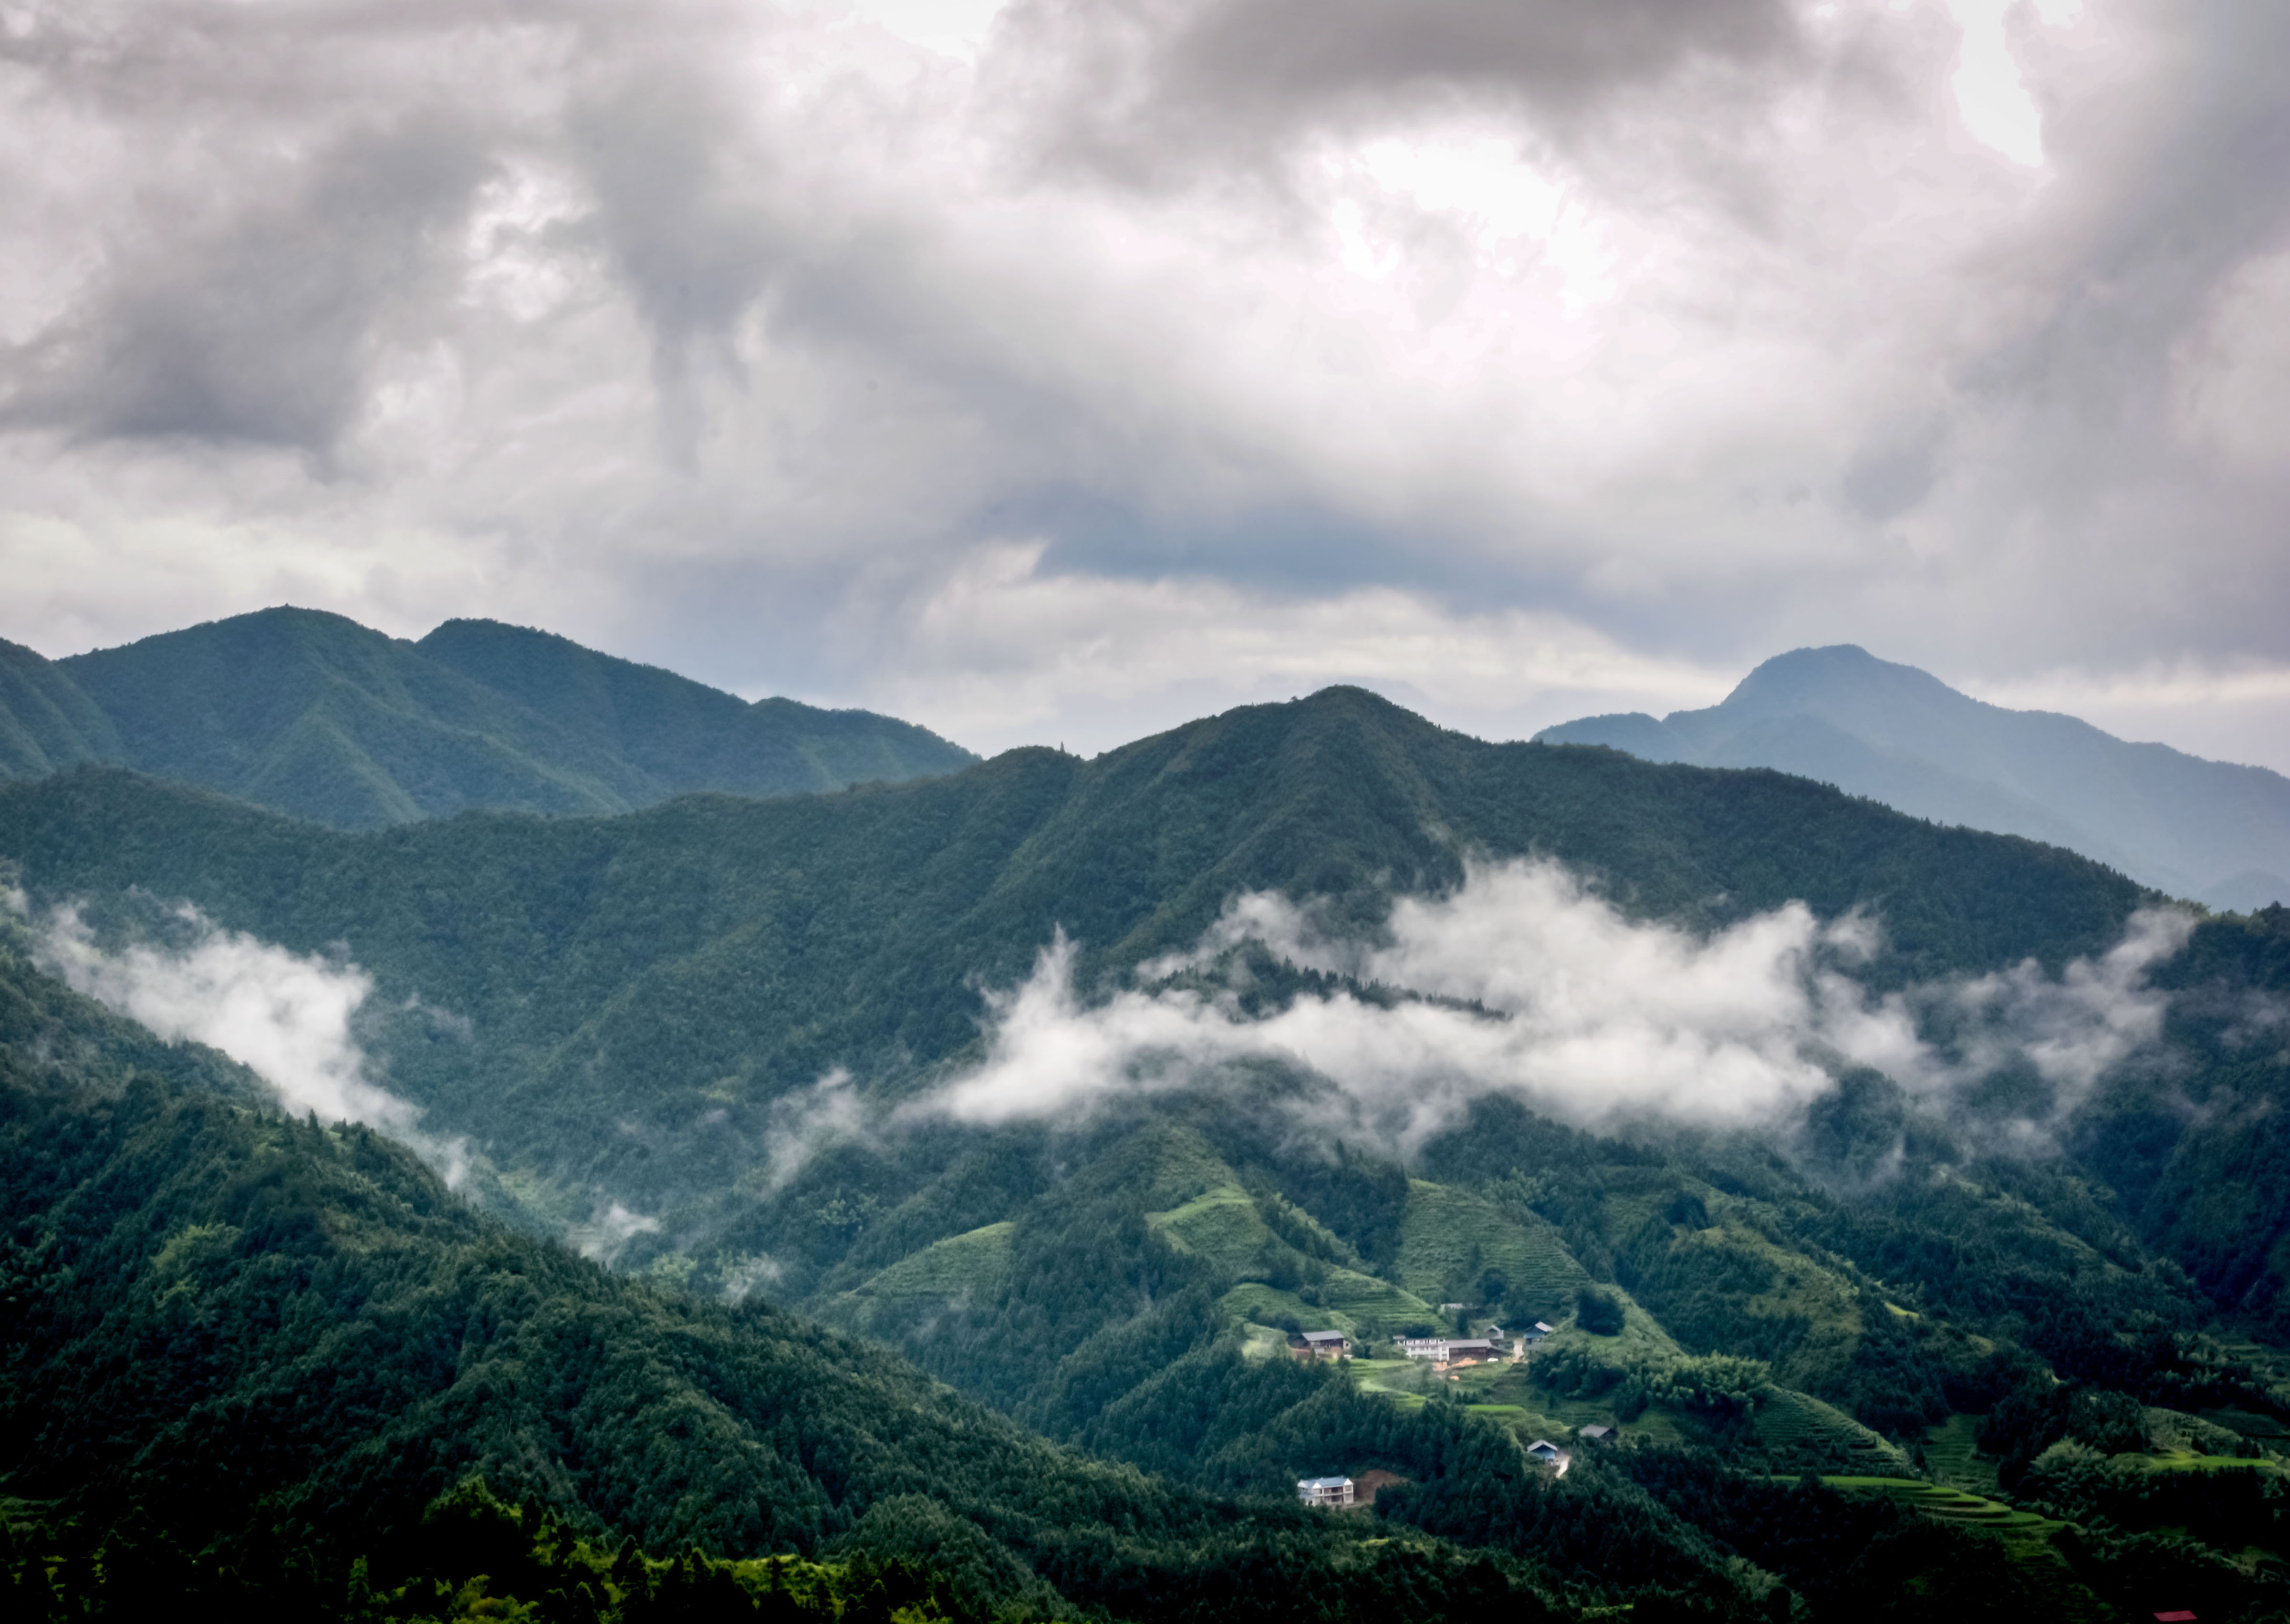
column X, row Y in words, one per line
column 1445, row 1349
column 1325, row 1490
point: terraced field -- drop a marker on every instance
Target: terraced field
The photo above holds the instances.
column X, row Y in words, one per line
column 1359, row 1305
column 1805, row 1435
column 1449, row 1236
column 1222, row 1225
column 958, row 1269
column 1952, row 1451
column 2026, row 1535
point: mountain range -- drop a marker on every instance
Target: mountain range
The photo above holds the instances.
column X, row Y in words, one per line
column 943, row 1172
column 315, row 714
column 2211, row 831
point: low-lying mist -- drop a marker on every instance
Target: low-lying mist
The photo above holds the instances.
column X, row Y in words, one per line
column 284, row 1016
column 1524, row 981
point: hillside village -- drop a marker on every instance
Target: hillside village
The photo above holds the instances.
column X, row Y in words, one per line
column 1446, row 1356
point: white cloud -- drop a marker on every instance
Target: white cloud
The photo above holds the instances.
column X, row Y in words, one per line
column 805, row 1121
column 608, row 1232
column 1002, row 651
column 283, row 1016
column 1588, row 1016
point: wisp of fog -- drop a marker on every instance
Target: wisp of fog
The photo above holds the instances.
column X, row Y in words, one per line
column 283, row 1016
column 1524, row 981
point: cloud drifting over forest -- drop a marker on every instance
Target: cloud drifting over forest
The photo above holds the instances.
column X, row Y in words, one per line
column 1529, row 984
column 1078, row 366
column 283, row 1016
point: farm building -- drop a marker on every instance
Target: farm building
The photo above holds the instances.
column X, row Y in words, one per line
column 1544, row 1451
column 1325, row 1490
column 1326, row 1344
column 1444, row 1349
column 1594, row 1435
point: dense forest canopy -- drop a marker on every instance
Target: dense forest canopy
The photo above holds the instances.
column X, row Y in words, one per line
column 317, row 715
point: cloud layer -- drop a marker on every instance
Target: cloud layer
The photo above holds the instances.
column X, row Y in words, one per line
column 771, row 344
column 284, row 1017
column 1529, row 984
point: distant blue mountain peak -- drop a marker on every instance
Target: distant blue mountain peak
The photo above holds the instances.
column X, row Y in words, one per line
column 2208, row 830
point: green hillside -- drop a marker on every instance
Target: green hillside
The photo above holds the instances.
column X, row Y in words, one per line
column 680, row 970
column 266, row 1346
column 675, row 735
column 314, row 715
column 659, row 1010
column 46, row 724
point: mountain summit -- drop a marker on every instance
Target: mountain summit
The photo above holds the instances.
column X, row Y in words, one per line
column 2206, row 829
column 312, row 714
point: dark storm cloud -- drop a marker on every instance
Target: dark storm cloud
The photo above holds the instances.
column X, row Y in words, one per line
column 257, row 327
column 2182, row 215
column 689, row 228
column 1134, row 88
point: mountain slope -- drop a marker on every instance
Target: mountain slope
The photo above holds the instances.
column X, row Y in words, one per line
column 704, row 1012
column 255, row 1331
column 2206, row 829
column 264, row 1345
column 644, row 992
column 317, row 715
column 46, row 724
column 678, row 735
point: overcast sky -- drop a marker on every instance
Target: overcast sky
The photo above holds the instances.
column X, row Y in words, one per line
column 1060, row 371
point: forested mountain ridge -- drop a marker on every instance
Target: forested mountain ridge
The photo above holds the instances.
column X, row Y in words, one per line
column 46, row 724
column 2210, row 830
column 314, row 715
column 643, row 991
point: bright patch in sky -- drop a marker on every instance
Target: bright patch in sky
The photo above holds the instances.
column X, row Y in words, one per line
column 955, row 28
column 1990, row 93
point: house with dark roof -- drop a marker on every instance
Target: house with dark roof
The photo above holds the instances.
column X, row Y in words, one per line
column 1325, row 1344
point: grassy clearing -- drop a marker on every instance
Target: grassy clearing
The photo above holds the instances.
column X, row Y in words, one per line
column 1450, row 1237
column 1952, row 1451
column 1641, row 1340
column 1801, row 1290
column 1406, row 1382
column 955, row 1270
column 1365, row 1297
column 2187, row 1461
column 1222, row 1225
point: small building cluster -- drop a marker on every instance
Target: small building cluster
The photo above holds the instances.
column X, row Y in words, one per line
column 1325, row 1490
column 1446, row 1350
